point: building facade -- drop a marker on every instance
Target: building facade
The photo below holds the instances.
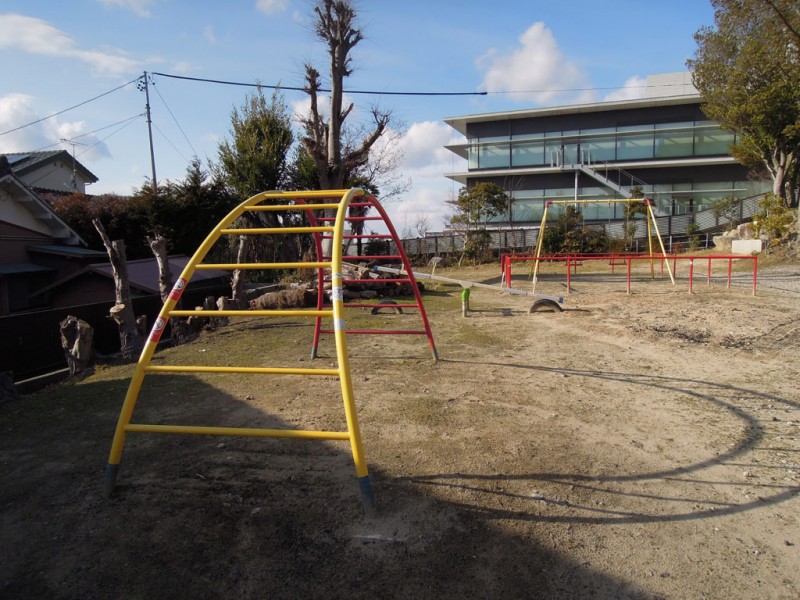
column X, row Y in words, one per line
column 51, row 172
column 662, row 145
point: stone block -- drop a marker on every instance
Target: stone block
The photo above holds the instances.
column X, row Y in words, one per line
column 746, row 247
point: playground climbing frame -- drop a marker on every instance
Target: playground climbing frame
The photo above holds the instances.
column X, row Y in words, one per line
column 336, row 201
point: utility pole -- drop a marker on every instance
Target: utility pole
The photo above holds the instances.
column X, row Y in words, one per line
column 145, row 83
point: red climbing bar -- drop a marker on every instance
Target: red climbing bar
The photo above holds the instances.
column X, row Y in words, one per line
column 378, row 332
column 377, row 281
column 380, row 305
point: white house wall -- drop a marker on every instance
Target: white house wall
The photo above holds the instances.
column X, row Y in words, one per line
column 56, row 176
column 15, row 213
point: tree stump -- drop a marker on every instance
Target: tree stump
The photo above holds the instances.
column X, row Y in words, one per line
column 76, row 341
column 8, row 390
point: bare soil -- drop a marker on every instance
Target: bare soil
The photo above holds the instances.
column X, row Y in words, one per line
column 632, row 446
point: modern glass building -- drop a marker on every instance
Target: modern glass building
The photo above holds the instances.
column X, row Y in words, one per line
column 662, row 144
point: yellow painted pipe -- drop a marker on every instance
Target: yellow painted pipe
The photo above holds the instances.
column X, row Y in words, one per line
column 287, row 265
column 239, row 431
column 340, row 336
column 277, row 230
column 282, row 207
column 240, row 370
column 251, row 313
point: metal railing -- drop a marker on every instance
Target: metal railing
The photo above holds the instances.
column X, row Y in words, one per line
column 675, row 229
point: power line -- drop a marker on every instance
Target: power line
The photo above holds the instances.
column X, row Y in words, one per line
column 302, row 89
column 384, row 93
column 123, row 125
column 70, row 108
column 169, row 110
column 77, row 137
column 169, row 141
column 588, row 89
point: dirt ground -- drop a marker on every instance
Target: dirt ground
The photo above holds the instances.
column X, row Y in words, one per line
column 632, row 446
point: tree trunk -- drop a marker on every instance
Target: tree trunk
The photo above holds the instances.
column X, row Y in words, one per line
column 76, row 341
column 238, row 277
column 122, row 312
column 158, row 244
column 8, row 391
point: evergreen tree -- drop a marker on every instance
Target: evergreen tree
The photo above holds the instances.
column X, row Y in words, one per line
column 748, row 71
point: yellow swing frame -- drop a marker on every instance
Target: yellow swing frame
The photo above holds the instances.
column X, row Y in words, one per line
column 651, row 224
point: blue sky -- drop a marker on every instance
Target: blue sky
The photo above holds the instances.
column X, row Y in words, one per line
column 523, row 53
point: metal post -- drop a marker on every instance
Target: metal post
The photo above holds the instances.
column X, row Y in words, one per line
column 730, row 264
column 629, row 276
column 569, row 280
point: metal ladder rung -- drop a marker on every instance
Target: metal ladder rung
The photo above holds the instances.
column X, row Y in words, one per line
column 374, row 257
column 276, row 230
column 364, row 236
column 243, row 431
column 376, row 332
column 252, row 313
column 240, row 370
column 279, row 207
column 234, row 266
column 377, row 281
column 381, row 305
column 349, row 219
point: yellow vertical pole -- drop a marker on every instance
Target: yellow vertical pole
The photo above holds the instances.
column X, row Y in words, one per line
column 340, row 335
column 660, row 241
column 539, row 241
column 128, row 405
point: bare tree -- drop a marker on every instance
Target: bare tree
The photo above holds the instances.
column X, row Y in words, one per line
column 130, row 340
column 422, row 225
column 324, row 141
column 158, row 244
column 237, row 279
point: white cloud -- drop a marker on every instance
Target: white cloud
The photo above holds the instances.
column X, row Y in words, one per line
column 183, row 67
column 17, row 110
column 423, row 145
column 634, row 87
column 535, row 71
column 209, row 35
column 271, row 6
column 425, row 162
column 35, row 36
column 138, row 7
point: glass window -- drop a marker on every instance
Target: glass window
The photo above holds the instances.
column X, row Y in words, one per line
column 528, row 153
column 674, row 139
column 493, row 156
column 600, row 149
column 634, row 145
column 711, row 140
column 527, row 210
column 473, row 154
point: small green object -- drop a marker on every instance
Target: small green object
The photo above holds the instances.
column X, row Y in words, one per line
column 465, row 295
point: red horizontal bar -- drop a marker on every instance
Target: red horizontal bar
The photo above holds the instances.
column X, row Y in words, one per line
column 373, row 257
column 377, row 332
column 377, row 281
column 348, row 219
column 365, row 236
column 361, row 204
column 381, row 305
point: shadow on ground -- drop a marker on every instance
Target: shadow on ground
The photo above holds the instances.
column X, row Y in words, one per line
column 212, row 517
